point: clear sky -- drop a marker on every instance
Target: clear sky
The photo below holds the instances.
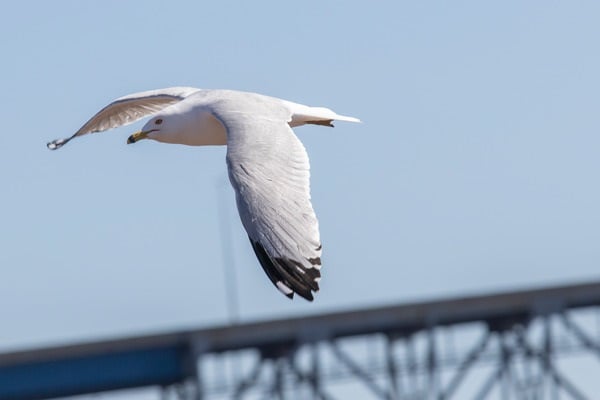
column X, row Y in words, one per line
column 476, row 167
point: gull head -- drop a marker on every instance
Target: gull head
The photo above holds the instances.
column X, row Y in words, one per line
column 192, row 126
column 154, row 129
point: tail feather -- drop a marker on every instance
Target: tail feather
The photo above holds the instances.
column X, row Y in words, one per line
column 302, row 114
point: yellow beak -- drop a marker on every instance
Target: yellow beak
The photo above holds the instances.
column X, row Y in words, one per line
column 137, row 136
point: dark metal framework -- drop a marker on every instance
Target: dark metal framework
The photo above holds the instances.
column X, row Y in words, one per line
column 509, row 345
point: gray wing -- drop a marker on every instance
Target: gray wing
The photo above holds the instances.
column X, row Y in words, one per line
column 269, row 170
column 128, row 109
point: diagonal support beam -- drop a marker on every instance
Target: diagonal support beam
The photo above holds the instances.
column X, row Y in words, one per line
column 581, row 335
column 489, row 384
column 392, row 368
column 506, row 354
column 250, row 381
column 465, row 366
column 359, row 372
column 554, row 373
column 308, row 378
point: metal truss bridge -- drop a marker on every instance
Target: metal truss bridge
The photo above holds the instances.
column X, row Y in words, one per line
column 541, row 343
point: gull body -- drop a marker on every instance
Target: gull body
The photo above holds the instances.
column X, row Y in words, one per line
column 268, row 166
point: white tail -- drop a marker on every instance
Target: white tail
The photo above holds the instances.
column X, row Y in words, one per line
column 302, row 114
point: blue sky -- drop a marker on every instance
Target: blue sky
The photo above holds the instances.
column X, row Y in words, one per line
column 476, row 167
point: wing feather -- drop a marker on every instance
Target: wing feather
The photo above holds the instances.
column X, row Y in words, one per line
column 128, row 109
column 269, row 170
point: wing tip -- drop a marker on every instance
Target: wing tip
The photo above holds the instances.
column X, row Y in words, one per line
column 309, row 297
column 286, row 281
column 289, row 293
column 56, row 144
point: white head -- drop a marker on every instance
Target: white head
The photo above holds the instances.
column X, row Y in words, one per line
column 191, row 126
column 157, row 127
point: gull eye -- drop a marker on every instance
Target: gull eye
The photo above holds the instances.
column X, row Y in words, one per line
column 158, row 121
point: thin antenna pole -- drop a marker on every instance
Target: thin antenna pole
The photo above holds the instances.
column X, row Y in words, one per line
column 229, row 274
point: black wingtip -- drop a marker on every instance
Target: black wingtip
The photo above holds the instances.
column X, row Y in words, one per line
column 58, row 143
column 284, row 274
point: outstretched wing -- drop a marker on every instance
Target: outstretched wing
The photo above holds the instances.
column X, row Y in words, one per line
column 269, row 170
column 128, row 109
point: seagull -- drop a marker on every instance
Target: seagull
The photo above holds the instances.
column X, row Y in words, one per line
column 267, row 164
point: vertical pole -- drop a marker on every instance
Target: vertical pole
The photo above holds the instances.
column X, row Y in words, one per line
column 530, row 388
column 505, row 381
column 432, row 378
column 199, row 381
column 549, row 380
column 278, row 370
column 392, row 368
column 316, row 371
column 411, row 359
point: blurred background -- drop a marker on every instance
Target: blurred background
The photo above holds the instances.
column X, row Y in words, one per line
column 475, row 168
